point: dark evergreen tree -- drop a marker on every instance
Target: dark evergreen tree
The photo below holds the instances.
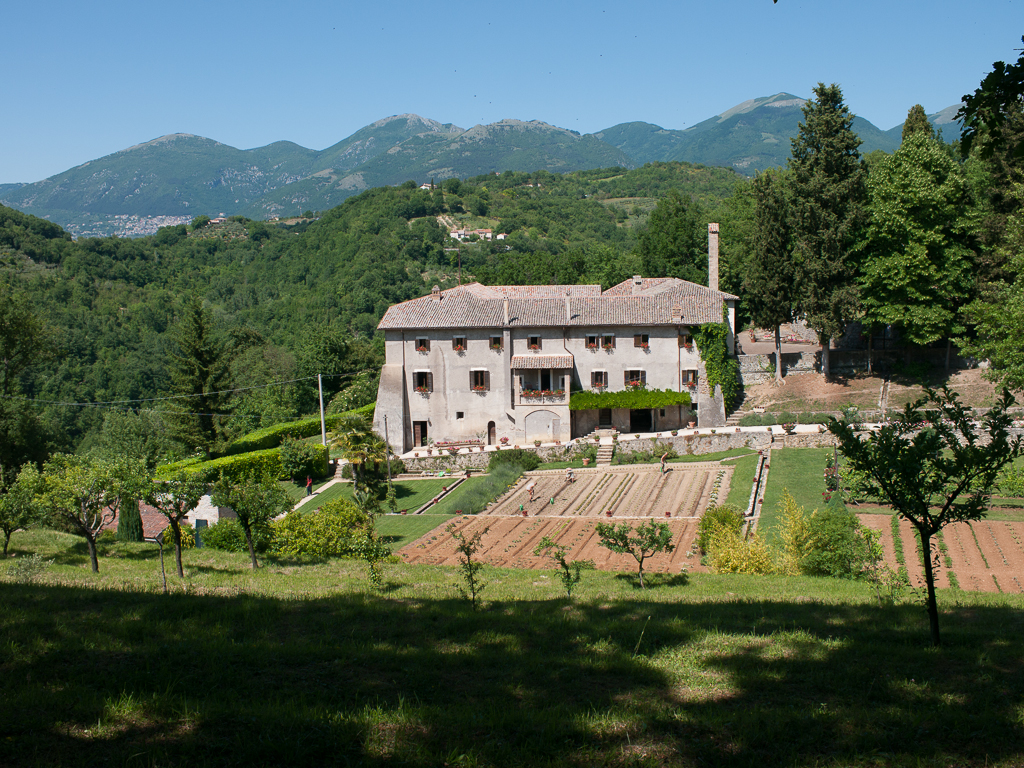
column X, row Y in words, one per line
column 828, row 183
column 769, row 284
column 129, row 521
column 200, row 373
column 917, row 122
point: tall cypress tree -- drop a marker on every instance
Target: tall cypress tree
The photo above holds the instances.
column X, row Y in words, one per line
column 917, row 122
column 829, row 194
column 770, row 280
column 199, row 370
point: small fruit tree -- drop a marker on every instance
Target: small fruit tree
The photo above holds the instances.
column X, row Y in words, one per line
column 933, row 465
column 645, row 540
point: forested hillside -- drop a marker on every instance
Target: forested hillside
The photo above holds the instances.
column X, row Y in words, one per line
column 291, row 300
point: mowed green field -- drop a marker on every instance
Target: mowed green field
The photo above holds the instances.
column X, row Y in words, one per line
column 303, row 664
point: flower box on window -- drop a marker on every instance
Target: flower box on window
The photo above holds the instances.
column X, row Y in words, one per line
column 535, row 346
column 644, row 345
column 459, row 348
column 422, row 348
column 479, row 388
column 423, row 390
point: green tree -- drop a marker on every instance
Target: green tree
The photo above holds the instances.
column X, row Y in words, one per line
column 255, row 500
column 25, row 341
column 769, row 284
column 917, row 122
column 647, row 539
column 918, row 267
column 569, row 572
column 200, row 377
column 83, row 495
column 675, row 241
column 985, row 111
column 174, row 499
column 19, row 501
column 998, row 314
column 936, row 475
column 828, row 203
column 362, row 447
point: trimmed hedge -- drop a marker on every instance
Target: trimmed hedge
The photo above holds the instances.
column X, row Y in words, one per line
column 629, row 398
column 271, row 437
column 235, row 467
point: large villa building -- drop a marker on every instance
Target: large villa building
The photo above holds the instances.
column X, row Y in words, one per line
column 484, row 363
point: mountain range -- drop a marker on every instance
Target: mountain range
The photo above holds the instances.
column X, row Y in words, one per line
column 179, row 176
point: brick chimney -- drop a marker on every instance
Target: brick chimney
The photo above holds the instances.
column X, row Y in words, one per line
column 435, row 293
column 505, row 308
column 713, row 257
column 638, row 285
column 568, row 311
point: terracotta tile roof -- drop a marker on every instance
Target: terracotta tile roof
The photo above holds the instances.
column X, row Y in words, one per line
column 541, row 361
column 539, row 306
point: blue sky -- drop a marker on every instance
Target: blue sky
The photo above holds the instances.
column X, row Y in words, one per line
column 82, row 80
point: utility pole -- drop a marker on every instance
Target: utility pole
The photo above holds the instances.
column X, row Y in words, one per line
column 387, row 449
column 323, row 422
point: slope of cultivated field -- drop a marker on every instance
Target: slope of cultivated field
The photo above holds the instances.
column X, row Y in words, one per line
column 546, row 503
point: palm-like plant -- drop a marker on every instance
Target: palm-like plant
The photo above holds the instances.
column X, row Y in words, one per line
column 360, row 445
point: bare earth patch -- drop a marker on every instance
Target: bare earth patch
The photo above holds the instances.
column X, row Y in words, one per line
column 811, row 392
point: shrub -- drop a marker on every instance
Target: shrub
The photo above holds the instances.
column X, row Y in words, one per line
column 642, row 457
column 271, row 437
column 526, row 460
column 27, row 568
column 728, row 552
column 1011, row 482
column 236, row 468
column 333, row 529
column 188, row 537
column 299, row 459
column 837, row 544
column 228, row 535
column 718, row 516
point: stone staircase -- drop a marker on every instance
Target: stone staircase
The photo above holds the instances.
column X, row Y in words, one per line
column 604, row 454
column 738, row 411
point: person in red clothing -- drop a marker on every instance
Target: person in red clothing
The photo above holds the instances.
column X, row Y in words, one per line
column 309, row 485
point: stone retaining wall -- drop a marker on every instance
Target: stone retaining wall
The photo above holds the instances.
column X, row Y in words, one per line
column 685, row 445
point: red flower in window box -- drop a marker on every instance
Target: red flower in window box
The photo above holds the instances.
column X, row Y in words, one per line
column 421, row 348
column 459, row 348
column 635, row 384
column 645, row 345
column 535, row 346
column 479, row 388
column 423, row 390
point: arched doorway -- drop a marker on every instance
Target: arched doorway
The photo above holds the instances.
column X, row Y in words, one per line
column 491, row 433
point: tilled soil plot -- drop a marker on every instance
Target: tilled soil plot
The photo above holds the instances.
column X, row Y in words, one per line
column 510, row 541
column 567, row 513
column 684, row 490
column 987, row 556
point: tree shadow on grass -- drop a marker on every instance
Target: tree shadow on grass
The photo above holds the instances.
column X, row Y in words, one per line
column 653, row 580
column 358, row 679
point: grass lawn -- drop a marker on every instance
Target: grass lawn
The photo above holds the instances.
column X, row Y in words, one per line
column 304, row 665
column 798, row 470
column 297, row 491
column 400, row 530
column 412, row 494
column 742, row 481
